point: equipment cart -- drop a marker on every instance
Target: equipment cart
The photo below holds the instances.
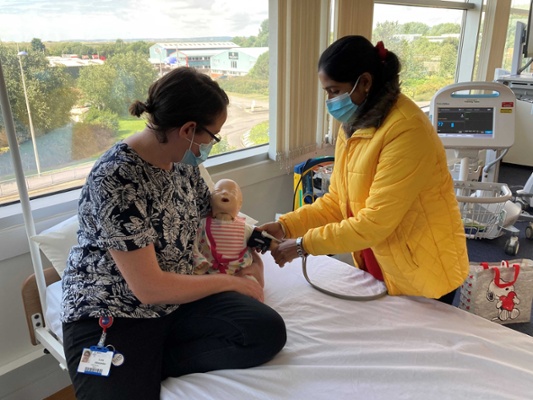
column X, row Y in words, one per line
column 486, row 211
column 476, row 120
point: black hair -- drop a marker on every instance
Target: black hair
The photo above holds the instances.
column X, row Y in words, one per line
column 182, row 95
column 350, row 56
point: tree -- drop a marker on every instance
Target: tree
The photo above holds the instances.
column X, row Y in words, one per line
column 262, row 37
column 445, row 28
column 448, row 58
column 135, row 74
column 386, row 31
column 261, row 68
column 96, row 85
column 415, row 28
column 244, row 41
column 37, row 45
column 116, row 84
column 261, row 40
column 50, row 90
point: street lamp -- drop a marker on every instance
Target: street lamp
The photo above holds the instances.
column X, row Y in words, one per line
column 32, row 132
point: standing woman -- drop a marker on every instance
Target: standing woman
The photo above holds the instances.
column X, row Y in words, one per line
column 130, row 275
column 391, row 202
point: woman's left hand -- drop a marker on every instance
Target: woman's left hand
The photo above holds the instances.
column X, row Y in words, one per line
column 285, row 252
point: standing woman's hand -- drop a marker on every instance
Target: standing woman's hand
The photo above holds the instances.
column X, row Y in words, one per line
column 285, row 252
column 273, row 228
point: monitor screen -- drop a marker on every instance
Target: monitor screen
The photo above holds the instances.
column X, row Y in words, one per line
column 473, row 122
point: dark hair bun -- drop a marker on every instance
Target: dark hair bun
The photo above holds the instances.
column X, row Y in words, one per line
column 137, row 108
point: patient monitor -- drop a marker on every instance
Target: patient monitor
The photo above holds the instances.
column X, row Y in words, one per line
column 473, row 119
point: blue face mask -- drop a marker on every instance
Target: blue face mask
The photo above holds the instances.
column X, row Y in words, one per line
column 190, row 158
column 341, row 107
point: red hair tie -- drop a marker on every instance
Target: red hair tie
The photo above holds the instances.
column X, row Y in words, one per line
column 382, row 51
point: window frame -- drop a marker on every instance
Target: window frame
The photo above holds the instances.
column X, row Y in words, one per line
column 248, row 164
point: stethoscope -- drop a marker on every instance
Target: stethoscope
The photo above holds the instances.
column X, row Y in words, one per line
column 339, row 295
column 266, row 235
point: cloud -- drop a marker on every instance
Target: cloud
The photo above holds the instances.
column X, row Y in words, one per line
column 57, row 20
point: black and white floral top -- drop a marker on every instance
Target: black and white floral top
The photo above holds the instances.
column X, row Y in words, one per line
column 126, row 204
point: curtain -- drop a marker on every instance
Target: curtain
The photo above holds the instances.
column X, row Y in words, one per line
column 300, row 128
column 298, row 36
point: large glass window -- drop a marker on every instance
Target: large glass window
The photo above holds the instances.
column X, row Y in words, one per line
column 72, row 69
column 519, row 13
column 426, row 40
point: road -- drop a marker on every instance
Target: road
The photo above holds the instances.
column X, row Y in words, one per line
column 243, row 114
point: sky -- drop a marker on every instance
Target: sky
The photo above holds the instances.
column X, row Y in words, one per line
column 59, row 20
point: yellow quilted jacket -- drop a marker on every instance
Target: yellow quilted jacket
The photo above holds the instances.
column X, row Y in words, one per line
column 396, row 183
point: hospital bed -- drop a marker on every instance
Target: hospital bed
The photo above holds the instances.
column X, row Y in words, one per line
column 391, row 348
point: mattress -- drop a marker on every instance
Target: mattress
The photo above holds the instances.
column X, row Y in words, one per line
column 396, row 347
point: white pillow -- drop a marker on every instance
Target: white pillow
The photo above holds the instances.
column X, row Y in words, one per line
column 207, row 178
column 56, row 242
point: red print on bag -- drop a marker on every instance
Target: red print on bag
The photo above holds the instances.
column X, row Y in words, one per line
column 506, row 298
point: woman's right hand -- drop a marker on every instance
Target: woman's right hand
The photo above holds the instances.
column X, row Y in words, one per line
column 273, row 228
column 248, row 287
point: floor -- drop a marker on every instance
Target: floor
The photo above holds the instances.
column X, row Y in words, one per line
column 64, row 394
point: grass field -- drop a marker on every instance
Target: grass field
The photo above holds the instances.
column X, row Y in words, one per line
column 129, row 126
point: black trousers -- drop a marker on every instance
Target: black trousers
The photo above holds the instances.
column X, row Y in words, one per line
column 224, row 331
column 448, row 298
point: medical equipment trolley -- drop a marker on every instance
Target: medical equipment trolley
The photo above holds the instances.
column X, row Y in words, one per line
column 477, row 121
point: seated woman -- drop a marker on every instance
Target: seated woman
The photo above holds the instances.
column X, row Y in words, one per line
column 129, row 292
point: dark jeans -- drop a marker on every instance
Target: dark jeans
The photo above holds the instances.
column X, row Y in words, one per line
column 224, row 331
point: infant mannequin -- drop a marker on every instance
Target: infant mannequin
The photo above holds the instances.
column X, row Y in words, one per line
column 222, row 236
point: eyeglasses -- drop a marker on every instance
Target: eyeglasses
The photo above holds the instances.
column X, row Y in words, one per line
column 217, row 138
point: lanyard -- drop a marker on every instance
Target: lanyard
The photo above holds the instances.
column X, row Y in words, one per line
column 104, row 322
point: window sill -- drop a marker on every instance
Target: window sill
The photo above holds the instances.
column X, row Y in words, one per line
column 247, row 167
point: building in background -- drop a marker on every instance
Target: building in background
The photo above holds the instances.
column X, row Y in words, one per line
column 192, row 54
column 237, row 61
column 73, row 62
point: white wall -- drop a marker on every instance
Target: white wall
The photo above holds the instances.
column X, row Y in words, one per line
column 27, row 374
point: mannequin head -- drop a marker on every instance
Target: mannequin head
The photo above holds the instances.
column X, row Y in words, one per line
column 226, row 199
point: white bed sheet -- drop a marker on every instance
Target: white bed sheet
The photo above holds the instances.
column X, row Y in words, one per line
column 390, row 348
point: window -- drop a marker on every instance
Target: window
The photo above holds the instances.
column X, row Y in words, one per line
column 72, row 70
column 438, row 51
column 519, row 13
column 427, row 41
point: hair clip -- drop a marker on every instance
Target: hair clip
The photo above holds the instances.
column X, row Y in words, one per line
column 382, row 51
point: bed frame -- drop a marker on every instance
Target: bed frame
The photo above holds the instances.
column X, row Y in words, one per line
column 39, row 333
column 393, row 347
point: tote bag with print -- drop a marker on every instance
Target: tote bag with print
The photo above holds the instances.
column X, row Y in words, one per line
column 500, row 292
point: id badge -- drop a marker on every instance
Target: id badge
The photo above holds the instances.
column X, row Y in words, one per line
column 96, row 361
